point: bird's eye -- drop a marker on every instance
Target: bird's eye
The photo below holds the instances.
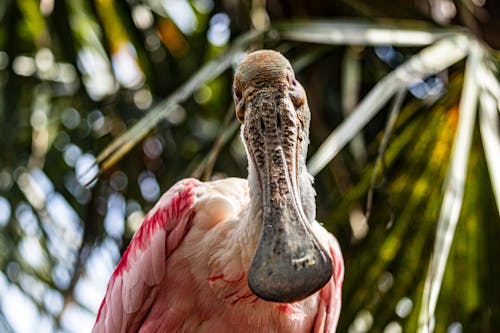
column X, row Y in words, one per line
column 237, row 93
column 291, row 78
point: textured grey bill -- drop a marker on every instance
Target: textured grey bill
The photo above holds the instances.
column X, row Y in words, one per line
column 289, row 264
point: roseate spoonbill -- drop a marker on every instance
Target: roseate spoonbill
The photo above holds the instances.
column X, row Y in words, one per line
column 233, row 255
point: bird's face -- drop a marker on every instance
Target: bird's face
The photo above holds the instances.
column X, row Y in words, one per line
column 289, row 263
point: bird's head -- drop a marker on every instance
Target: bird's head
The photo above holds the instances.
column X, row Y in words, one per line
column 289, row 263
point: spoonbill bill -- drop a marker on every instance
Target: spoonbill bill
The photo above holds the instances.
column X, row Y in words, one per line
column 237, row 255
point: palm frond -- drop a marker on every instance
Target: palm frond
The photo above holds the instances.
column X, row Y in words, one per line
column 453, row 192
column 121, row 145
column 430, row 60
column 360, row 33
column 489, row 126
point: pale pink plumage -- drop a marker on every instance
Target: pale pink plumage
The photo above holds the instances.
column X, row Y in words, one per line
column 192, row 264
column 185, row 270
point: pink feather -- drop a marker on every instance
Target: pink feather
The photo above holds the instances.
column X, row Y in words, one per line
column 185, row 271
column 143, row 263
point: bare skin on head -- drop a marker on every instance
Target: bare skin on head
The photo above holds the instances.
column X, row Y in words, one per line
column 289, row 263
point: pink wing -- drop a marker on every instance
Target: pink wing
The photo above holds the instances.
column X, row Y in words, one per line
column 130, row 291
column 331, row 295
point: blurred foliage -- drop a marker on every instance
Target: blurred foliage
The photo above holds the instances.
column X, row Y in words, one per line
column 76, row 74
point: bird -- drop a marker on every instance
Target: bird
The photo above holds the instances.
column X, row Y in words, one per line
column 237, row 255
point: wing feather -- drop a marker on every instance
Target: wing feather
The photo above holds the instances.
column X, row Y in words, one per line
column 158, row 255
column 146, row 266
column 132, row 297
column 116, row 317
column 131, row 279
column 142, row 266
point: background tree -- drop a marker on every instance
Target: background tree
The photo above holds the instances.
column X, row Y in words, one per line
column 76, row 76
